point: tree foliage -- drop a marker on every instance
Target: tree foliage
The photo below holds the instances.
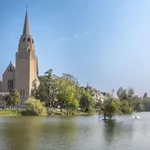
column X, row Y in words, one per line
column 64, row 92
column 86, row 102
column 47, row 90
column 34, row 107
column 13, row 98
column 111, row 107
column 145, row 95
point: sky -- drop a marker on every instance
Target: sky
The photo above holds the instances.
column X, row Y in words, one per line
column 105, row 43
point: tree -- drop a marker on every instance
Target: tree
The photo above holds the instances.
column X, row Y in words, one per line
column 74, row 104
column 66, row 94
column 34, row 107
column 130, row 93
column 138, row 105
column 86, row 102
column 146, row 103
column 70, row 77
column 111, row 107
column 125, row 107
column 47, row 90
column 122, row 94
column 8, row 100
column 145, row 95
column 13, row 98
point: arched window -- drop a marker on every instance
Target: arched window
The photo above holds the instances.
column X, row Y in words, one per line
column 24, row 39
column 28, row 40
column 29, row 50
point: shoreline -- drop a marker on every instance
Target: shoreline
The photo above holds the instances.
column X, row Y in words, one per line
column 17, row 113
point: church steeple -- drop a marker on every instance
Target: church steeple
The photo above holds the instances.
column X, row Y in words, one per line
column 26, row 30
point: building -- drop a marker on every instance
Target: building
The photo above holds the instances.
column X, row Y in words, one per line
column 0, row 86
column 24, row 75
column 98, row 95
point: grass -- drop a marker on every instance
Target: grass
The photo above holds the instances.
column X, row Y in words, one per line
column 10, row 112
column 64, row 112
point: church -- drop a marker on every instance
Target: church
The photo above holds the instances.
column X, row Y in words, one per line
column 24, row 75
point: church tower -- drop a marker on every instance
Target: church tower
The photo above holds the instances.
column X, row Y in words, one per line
column 26, row 63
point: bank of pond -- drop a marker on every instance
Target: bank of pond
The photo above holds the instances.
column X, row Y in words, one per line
column 19, row 112
column 53, row 112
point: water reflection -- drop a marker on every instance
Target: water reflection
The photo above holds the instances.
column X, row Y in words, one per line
column 118, row 133
column 72, row 133
column 20, row 133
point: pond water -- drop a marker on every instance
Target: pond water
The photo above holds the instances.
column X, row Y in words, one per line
column 75, row 133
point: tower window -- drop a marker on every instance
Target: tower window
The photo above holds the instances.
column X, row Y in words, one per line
column 29, row 50
column 29, row 40
column 23, row 39
column 10, row 84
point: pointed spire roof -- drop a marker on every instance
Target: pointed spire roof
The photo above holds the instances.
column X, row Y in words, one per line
column 26, row 30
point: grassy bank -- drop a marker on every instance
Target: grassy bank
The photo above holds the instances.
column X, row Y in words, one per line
column 10, row 112
column 65, row 112
column 54, row 112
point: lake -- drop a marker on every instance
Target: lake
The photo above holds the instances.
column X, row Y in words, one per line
column 75, row 133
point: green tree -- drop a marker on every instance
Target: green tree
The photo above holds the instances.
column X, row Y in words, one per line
column 66, row 94
column 34, row 107
column 111, row 107
column 138, row 105
column 13, row 98
column 146, row 103
column 74, row 104
column 86, row 102
column 125, row 107
column 122, row 94
column 8, row 100
column 130, row 93
column 145, row 95
column 47, row 90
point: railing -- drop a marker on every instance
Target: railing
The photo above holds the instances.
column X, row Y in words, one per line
column 4, row 93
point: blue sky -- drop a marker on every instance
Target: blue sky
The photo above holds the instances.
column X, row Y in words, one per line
column 103, row 42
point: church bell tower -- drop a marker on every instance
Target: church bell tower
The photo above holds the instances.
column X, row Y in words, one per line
column 26, row 63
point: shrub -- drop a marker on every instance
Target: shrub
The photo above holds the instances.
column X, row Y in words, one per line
column 34, row 107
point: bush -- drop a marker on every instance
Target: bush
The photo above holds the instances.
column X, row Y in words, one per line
column 34, row 107
column 57, row 112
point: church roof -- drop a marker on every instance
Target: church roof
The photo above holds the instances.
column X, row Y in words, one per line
column 10, row 67
column 26, row 30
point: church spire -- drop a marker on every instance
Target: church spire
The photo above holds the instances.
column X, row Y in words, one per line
column 26, row 25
